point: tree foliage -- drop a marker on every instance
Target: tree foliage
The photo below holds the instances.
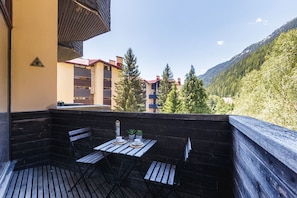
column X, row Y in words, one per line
column 218, row 105
column 270, row 94
column 228, row 83
column 173, row 102
column 165, row 86
column 129, row 90
column 193, row 94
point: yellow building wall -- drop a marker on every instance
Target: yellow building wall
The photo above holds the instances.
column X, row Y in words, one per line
column 115, row 78
column 3, row 65
column 34, row 34
column 65, row 82
column 99, row 76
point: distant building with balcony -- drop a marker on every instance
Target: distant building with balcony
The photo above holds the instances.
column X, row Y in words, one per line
column 152, row 90
column 88, row 81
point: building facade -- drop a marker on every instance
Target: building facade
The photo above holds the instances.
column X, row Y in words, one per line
column 152, row 90
column 88, row 82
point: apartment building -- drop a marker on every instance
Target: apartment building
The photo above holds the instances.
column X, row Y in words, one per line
column 152, row 89
column 88, row 82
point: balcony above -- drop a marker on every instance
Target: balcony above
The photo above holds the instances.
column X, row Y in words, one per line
column 80, row 20
column 71, row 50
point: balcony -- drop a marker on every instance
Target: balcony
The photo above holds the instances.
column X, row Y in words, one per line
column 233, row 156
column 153, row 96
column 153, row 106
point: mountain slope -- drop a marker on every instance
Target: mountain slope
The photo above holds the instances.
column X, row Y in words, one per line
column 210, row 75
column 269, row 93
column 227, row 83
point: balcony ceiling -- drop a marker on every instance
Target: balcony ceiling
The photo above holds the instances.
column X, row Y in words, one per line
column 70, row 50
column 80, row 20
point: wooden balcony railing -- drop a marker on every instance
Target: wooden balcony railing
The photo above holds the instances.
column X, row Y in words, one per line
column 233, row 156
column 264, row 159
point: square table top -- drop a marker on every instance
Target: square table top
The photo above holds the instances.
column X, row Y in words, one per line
column 126, row 148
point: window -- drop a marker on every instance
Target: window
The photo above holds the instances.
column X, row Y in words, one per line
column 154, row 86
column 107, row 85
column 82, row 85
column 107, row 72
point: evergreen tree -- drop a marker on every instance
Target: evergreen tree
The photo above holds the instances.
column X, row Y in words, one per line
column 227, row 83
column 173, row 102
column 193, row 94
column 165, row 86
column 129, row 90
column 212, row 103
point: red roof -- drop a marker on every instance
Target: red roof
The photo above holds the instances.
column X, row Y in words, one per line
column 151, row 81
column 90, row 62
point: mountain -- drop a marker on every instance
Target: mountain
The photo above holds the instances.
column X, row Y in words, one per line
column 211, row 74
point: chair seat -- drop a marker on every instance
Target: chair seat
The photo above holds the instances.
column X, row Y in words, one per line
column 167, row 174
column 91, row 158
column 161, row 172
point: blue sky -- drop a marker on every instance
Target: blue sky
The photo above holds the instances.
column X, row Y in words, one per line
column 202, row 33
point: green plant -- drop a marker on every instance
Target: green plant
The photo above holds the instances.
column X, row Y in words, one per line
column 131, row 131
column 138, row 132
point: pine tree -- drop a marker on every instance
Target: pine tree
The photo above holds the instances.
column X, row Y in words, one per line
column 194, row 95
column 165, row 86
column 129, row 90
column 173, row 102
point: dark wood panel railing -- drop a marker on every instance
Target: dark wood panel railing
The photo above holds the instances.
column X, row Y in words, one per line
column 264, row 159
column 31, row 138
column 231, row 154
column 209, row 172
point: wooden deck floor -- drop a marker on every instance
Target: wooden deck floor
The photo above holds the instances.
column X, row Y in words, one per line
column 51, row 181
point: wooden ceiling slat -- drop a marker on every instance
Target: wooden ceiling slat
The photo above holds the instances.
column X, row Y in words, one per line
column 76, row 23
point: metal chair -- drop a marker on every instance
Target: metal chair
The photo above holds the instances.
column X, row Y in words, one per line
column 83, row 153
column 167, row 175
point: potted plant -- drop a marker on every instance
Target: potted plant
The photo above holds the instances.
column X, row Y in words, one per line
column 138, row 134
column 131, row 134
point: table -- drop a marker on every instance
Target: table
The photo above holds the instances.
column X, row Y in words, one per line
column 125, row 149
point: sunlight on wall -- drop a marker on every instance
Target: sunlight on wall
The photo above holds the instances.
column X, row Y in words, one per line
column 34, row 34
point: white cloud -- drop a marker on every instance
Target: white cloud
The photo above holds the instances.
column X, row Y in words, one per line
column 260, row 21
column 220, row 42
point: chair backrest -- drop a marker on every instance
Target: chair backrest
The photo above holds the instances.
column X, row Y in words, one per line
column 79, row 134
column 188, row 148
column 81, row 141
column 183, row 160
